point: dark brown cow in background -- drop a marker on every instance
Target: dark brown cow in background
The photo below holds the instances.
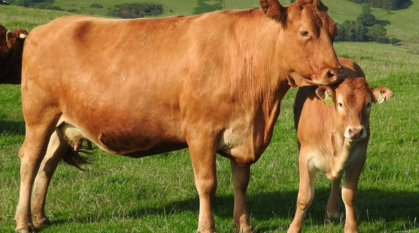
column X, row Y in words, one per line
column 11, row 48
column 333, row 138
column 212, row 83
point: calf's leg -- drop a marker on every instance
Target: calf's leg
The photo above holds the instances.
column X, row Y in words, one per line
column 333, row 206
column 55, row 151
column 240, row 176
column 305, row 192
column 349, row 190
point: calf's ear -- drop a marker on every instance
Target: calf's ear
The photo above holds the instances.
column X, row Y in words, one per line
column 381, row 94
column 273, row 9
column 326, row 94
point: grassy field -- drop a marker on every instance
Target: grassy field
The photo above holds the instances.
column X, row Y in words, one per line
column 157, row 194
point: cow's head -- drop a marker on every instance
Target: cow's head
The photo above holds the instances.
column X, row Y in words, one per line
column 352, row 100
column 11, row 48
column 306, row 42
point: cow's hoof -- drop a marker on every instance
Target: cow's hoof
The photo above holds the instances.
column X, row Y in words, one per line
column 40, row 221
column 30, row 229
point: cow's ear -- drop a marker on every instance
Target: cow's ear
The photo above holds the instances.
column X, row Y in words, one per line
column 11, row 37
column 381, row 94
column 273, row 9
column 326, row 94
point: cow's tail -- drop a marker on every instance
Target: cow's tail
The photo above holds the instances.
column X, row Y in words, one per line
column 79, row 157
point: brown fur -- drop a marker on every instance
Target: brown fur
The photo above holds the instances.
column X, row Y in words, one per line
column 11, row 49
column 334, row 139
column 212, row 83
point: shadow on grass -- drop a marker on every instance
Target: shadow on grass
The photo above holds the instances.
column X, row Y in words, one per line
column 12, row 127
column 383, row 22
column 391, row 206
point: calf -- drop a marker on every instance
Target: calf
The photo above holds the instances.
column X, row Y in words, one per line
column 11, row 48
column 333, row 138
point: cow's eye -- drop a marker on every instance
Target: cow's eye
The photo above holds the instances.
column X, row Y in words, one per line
column 340, row 104
column 304, row 33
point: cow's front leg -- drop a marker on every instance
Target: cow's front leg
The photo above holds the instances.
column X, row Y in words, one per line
column 240, row 176
column 333, row 206
column 349, row 189
column 56, row 149
column 305, row 192
column 203, row 157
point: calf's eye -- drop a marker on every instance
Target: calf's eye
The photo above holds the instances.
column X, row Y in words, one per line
column 304, row 33
column 340, row 104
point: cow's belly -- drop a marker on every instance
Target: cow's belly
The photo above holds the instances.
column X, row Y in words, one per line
column 134, row 141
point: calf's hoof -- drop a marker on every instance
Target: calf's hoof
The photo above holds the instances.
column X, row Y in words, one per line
column 351, row 229
column 206, row 230
column 40, row 221
column 293, row 229
column 333, row 214
column 244, row 229
column 333, row 211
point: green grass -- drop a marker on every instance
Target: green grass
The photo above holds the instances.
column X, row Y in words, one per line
column 157, row 193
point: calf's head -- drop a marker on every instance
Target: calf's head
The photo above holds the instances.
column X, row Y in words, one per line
column 306, row 41
column 352, row 101
column 11, row 48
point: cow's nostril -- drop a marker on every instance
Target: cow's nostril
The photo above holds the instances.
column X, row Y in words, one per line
column 332, row 75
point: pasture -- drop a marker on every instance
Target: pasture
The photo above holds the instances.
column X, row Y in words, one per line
column 157, row 193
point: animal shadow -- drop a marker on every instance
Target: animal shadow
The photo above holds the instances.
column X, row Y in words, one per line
column 372, row 204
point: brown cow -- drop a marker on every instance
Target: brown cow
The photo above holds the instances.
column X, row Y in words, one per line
column 11, row 48
column 334, row 139
column 211, row 82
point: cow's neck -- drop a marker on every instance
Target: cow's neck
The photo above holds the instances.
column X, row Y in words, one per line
column 271, row 107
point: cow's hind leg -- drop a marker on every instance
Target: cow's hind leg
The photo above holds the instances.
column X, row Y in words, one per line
column 240, row 176
column 333, row 206
column 31, row 154
column 57, row 147
column 203, row 155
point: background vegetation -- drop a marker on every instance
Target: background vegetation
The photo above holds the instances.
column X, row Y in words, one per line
column 157, row 193
column 365, row 28
column 133, row 10
column 386, row 4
